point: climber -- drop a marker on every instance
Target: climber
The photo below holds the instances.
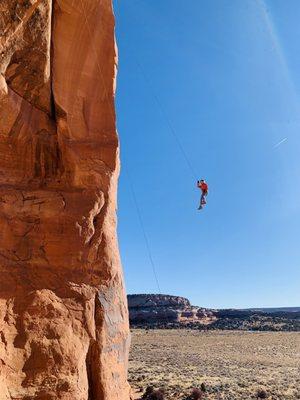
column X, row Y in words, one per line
column 204, row 187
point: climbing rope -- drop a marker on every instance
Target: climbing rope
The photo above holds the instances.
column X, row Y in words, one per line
column 167, row 120
column 138, row 210
column 143, row 230
column 171, row 130
column 163, row 112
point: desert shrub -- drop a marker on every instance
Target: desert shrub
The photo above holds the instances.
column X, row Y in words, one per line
column 197, row 394
column 203, row 387
column 261, row 394
column 157, row 395
column 149, row 390
column 151, row 394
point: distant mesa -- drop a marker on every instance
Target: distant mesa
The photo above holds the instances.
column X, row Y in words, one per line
column 166, row 311
column 160, row 308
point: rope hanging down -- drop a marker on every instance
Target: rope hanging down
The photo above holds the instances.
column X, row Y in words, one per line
column 167, row 119
column 127, row 173
column 143, row 230
column 159, row 103
column 168, row 122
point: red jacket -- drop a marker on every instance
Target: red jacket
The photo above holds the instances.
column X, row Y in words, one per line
column 203, row 186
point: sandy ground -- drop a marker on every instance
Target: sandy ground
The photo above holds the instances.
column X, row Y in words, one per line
column 232, row 364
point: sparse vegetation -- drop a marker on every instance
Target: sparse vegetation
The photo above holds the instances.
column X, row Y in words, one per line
column 203, row 387
column 197, row 394
column 149, row 390
column 218, row 364
column 151, row 394
column 261, row 394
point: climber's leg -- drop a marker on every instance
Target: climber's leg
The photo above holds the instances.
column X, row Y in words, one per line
column 202, row 201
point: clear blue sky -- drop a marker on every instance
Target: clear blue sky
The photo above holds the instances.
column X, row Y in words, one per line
column 228, row 76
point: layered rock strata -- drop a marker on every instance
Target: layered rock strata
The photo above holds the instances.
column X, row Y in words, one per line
column 155, row 309
column 165, row 311
column 63, row 314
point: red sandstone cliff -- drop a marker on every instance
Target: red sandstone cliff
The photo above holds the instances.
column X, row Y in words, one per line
column 63, row 315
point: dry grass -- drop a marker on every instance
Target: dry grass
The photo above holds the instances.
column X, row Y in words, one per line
column 233, row 365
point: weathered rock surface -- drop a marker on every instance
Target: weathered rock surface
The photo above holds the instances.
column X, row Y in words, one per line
column 160, row 308
column 63, row 314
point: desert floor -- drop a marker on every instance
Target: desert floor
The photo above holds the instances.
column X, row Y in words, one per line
column 232, row 364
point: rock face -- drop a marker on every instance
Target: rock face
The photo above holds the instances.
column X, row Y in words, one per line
column 158, row 308
column 63, row 314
